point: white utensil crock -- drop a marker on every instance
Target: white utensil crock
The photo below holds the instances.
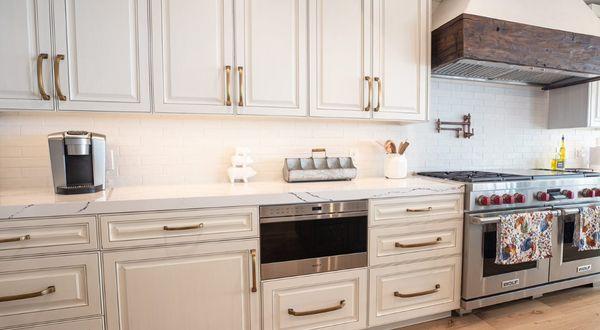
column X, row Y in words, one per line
column 395, row 166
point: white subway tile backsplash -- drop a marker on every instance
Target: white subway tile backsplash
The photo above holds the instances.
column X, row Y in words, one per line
column 509, row 122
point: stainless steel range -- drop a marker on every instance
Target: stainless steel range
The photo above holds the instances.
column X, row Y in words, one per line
column 491, row 194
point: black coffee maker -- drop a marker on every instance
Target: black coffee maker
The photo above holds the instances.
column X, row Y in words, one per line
column 78, row 160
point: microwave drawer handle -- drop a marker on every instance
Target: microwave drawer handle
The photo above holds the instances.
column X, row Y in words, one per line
column 414, row 245
column 46, row 291
column 198, row 226
column 425, row 209
column 15, row 239
column 417, row 294
column 339, row 306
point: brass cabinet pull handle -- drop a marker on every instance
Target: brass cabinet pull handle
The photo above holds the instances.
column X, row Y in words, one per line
column 417, row 294
column 228, row 85
column 370, row 82
column 400, row 245
column 198, row 226
column 241, row 82
column 379, row 93
column 15, row 239
column 427, row 209
column 59, row 93
column 341, row 305
column 40, row 76
column 253, row 254
column 46, row 291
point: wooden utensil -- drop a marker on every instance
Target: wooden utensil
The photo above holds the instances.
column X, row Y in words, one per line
column 403, row 147
column 390, row 147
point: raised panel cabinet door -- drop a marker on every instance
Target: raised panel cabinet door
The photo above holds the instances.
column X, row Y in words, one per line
column 340, row 58
column 187, row 287
column 101, row 60
column 401, row 59
column 25, row 67
column 271, row 57
column 192, row 47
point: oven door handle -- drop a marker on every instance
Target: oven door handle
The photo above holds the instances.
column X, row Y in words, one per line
column 488, row 220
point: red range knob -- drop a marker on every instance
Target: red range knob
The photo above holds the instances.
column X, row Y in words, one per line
column 542, row 196
column 567, row 193
column 496, row 200
column 483, row 200
column 520, row 198
column 596, row 192
column 588, row 193
column 508, row 199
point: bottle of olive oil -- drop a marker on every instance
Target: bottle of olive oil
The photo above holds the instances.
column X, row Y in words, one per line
column 562, row 154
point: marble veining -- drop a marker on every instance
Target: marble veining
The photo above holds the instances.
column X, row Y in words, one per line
column 16, row 204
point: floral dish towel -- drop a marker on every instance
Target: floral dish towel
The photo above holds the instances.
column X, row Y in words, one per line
column 524, row 237
column 587, row 229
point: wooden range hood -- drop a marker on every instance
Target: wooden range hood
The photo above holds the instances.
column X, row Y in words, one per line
column 477, row 47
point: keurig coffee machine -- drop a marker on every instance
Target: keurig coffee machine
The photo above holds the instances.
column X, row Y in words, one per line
column 78, row 160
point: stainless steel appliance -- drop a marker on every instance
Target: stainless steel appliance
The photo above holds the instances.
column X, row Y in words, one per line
column 78, row 161
column 301, row 239
column 491, row 194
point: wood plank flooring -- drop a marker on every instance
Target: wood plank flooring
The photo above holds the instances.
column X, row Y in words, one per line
column 571, row 309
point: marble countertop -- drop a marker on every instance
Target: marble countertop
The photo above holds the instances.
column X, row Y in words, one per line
column 16, row 204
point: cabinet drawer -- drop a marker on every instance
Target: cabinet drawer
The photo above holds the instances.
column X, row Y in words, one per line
column 409, row 291
column 45, row 289
column 406, row 209
column 334, row 300
column 402, row 243
column 89, row 324
column 137, row 229
column 50, row 235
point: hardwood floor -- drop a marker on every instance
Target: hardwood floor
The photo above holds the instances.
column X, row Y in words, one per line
column 572, row 309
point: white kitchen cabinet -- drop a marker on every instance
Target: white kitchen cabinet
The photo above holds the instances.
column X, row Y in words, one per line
column 401, row 59
column 575, row 106
column 193, row 56
column 370, row 59
column 101, row 60
column 198, row 286
column 271, row 57
column 25, row 67
column 340, row 58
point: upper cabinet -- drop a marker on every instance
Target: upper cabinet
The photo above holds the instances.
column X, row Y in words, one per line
column 96, row 60
column 370, row 59
column 401, row 59
column 101, row 60
column 192, row 44
column 271, row 57
column 198, row 72
column 340, row 67
column 575, row 106
column 25, row 67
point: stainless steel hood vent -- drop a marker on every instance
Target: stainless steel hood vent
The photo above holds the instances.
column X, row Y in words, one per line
column 536, row 42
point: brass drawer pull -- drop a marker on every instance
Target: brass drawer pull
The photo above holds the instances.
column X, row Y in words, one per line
column 59, row 93
column 228, row 85
column 417, row 294
column 40, row 76
column 46, row 291
column 253, row 254
column 379, row 93
column 341, row 305
column 15, row 239
column 427, row 209
column 241, row 82
column 198, row 226
column 370, row 82
column 400, row 245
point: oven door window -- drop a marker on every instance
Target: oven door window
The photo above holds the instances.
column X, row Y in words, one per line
column 490, row 268
column 295, row 240
column 570, row 252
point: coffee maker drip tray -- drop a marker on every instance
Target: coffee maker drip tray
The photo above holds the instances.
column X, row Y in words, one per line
column 78, row 189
